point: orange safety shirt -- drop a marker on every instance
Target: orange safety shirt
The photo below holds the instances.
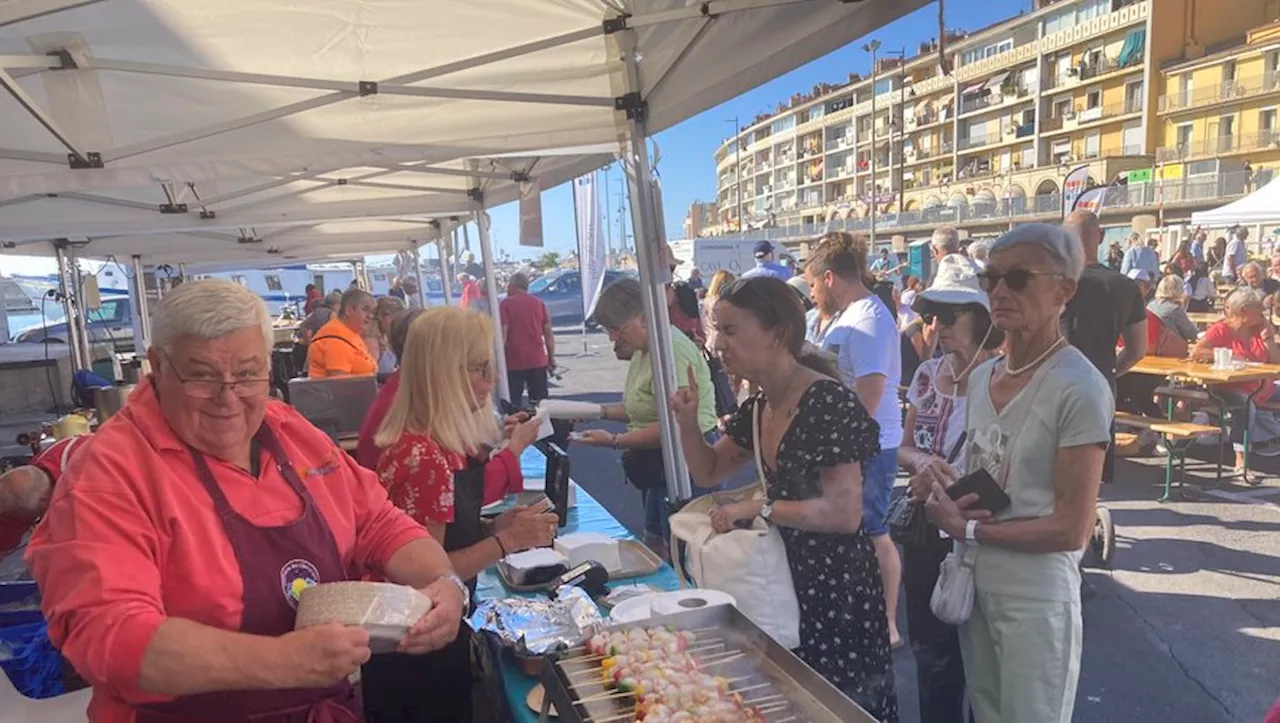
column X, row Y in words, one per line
column 344, row 352
column 132, row 538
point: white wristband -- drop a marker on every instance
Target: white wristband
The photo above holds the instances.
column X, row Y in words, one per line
column 971, row 533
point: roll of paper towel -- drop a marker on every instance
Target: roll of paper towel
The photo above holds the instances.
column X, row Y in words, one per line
column 569, row 409
column 684, row 600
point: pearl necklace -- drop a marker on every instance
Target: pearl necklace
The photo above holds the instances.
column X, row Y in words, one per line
column 1035, row 362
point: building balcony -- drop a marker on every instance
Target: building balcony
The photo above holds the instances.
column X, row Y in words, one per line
column 924, row 154
column 1083, row 72
column 1219, row 146
column 1224, row 92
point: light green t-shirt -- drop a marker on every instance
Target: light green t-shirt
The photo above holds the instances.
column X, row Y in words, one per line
column 1066, row 404
column 638, row 399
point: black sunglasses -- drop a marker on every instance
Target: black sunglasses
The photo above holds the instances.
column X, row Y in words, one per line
column 1015, row 279
column 946, row 316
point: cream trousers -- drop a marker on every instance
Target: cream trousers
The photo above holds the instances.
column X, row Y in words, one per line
column 1022, row 658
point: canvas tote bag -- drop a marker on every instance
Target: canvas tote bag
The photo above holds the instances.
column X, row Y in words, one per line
column 750, row 564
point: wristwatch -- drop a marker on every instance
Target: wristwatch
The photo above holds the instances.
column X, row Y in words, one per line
column 971, row 533
column 766, row 512
column 462, row 587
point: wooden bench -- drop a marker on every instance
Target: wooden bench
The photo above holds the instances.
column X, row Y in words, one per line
column 1171, row 431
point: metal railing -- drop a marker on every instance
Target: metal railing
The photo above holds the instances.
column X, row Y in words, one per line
column 1208, row 188
column 1086, row 71
column 975, row 141
column 1219, row 145
column 1223, row 92
column 976, row 102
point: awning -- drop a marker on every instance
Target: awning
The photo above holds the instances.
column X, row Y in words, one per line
column 974, row 88
column 945, row 101
column 996, row 80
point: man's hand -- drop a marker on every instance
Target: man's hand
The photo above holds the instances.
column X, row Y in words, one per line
column 439, row 627
column 320, row 656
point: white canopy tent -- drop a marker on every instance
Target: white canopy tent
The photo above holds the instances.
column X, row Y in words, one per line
column 245, row 97
column 1261, row 206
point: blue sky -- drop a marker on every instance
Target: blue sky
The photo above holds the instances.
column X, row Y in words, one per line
column 686, row 166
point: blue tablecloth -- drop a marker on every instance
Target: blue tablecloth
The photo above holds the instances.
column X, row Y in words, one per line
column 588, row 514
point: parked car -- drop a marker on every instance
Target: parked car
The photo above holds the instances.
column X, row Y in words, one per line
column 561, row 291
column 111, row 323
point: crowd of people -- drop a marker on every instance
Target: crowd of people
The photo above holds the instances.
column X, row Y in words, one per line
column 1006, row 363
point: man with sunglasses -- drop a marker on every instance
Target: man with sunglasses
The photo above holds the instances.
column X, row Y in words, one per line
column 1108, row 306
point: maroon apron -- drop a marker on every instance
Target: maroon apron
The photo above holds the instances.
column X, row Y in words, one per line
column 275, row 562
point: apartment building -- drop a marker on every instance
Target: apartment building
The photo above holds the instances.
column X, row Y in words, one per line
column 699, row 219
column 1027, row 100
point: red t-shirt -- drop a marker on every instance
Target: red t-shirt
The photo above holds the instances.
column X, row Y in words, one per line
column 367, row 453
column 470, row 293
column 51, row 461
column 1253, row 349
column 524, row 316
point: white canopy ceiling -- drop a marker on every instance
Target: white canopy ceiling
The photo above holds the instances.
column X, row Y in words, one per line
column 1261, row 206
column 266, row 113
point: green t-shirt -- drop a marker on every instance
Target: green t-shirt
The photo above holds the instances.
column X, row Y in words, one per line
column 637, row 397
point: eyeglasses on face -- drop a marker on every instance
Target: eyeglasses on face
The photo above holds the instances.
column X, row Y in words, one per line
column 200, row 386
column 1015, row 279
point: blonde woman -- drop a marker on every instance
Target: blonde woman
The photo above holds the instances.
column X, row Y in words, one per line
column 436, row 443
column 721, row 279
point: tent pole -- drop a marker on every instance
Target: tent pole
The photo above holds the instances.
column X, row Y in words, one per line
column 491, row 287
column 654, row 276
column 141, row 314
column 446, row 268
column 417, row 274
column 65, row 290
column 81, row 317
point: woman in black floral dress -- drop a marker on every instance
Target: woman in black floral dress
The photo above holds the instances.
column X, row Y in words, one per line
column 814, row 436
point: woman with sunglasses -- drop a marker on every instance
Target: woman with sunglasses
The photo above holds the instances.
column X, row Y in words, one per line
column 437, row 449
column 1038, row 423
column 957, row 312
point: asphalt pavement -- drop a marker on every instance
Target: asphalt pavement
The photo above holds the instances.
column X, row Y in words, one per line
column 1184, row 627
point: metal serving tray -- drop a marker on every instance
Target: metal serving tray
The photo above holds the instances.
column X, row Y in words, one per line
column 771, row 669
column 637, row 561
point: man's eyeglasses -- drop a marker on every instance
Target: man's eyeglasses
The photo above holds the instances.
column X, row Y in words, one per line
column 202, row 388
column 1015, row 279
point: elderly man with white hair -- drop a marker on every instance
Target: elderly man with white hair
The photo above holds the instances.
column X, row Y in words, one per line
column 978, row 253
column 1039, row 418
column 179, row 539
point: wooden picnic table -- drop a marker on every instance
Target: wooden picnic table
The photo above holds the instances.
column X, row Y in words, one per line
column 1205, row 375
column 1205, row 318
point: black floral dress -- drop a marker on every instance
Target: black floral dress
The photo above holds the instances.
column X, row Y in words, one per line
column 843, row 631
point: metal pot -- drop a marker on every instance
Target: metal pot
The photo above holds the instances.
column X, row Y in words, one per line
column 109, row 400
column 132, row 371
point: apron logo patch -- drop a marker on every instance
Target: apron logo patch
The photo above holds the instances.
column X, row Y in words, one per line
column 296, row 576
column 329, row 467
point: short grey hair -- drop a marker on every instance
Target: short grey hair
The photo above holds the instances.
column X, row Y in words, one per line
column 1242, row 298
column 352, row 298
column 946, row 238
column 1063, row 247
column 978, row 250
column 619, row 303
column 1255, row 266
column 209, row 309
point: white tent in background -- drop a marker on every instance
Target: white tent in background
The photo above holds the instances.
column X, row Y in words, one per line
column 1261, row 206
column 149, row 104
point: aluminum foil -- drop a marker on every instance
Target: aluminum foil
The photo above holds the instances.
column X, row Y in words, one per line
column 538, row 625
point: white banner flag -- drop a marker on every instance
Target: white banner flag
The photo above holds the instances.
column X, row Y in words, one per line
column 531, row 215
column 591, row 251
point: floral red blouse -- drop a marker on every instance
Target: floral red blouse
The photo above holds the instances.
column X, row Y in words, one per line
column 418, row 475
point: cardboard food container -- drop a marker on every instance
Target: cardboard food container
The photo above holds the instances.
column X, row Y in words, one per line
column 385, row 610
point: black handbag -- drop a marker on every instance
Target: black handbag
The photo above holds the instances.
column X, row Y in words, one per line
column 907, row 522
column 644, row 468
column 726, row 396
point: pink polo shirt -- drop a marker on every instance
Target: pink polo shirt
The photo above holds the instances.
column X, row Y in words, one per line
column 131, row 538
